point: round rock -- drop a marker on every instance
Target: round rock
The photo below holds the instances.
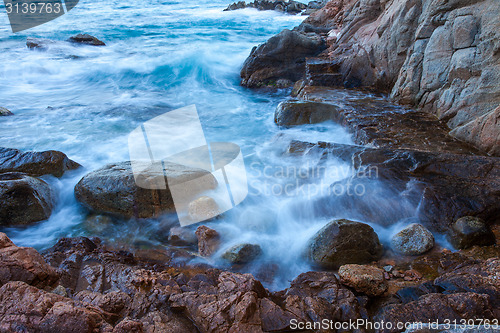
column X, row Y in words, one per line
column 413, row 240
column 343, row 242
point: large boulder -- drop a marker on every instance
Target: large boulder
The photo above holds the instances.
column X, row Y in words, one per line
column 413, row 240
column 24, row 199
column 468, row 231
column 282, row 57
column 24, row 264
column 35, row 163
column 293, row 113
column 112, row 189
column 242, row 253
column 344, row 242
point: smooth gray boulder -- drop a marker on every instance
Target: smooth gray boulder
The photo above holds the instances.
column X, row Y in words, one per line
column 468, row 231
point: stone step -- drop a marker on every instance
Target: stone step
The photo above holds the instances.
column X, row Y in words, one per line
column 326, row 80
column 321, row 66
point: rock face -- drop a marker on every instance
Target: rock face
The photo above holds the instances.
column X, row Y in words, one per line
column 35, row 163
column 242, row 253
column 24, row 264
column 442, row 57
column 86, row 39
column 413, row 240
column 446, row 186
column 5, row 112
column 344, row 242
column 364, row 279
column 24, row 199
column 281, row 58
column 113, row 190
column 293, row 113
column 468, row 231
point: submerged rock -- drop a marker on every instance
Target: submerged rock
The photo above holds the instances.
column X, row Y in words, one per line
column 344, row 242
column 468, row 231
column 182, row 236
column 281, row 57
column 369, row 280
column 5, row 112
column 35, row 163
column 292, row 113
column 113, row 189
column 242, row 253
column 24, row 199
column 86, row 39
column 413, row 240
column 38, row 43
column 208, row 241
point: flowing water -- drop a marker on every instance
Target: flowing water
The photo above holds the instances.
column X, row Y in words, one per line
column 162, row 55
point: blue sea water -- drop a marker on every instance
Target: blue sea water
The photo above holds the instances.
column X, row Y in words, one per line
column 160, row 55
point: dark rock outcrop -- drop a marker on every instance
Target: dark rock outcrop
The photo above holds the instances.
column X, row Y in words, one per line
column 344, row 242
column 86, row 39
column 24, row 199
column 448, row 186
column 24, row 264
column 468, row 231
column 35, row 163
column 5, row 112
column 113, row 190
column 287, row 6
column 282, row 57
column 413, row 240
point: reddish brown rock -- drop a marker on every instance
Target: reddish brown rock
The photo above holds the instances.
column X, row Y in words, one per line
column 369, row 280
column 24, row 264
column 24, row 306
column 208, row 241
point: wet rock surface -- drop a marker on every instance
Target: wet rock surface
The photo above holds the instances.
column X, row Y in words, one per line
column 35, row 164
column 5, row 112
column 291, row 113
column 468, row 231
column 25, row 199
column 344, row 242
column 104, row 289
column 364, row 279
column 447, row 186
column 413, row 240
column 242, row 253
column 208, row 241
column 86, row 39
column 281, row 58
column 425, row 54
column 113, row 189
column 288, row 6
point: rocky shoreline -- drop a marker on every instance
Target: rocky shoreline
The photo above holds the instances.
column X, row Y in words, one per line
column 92, row 285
